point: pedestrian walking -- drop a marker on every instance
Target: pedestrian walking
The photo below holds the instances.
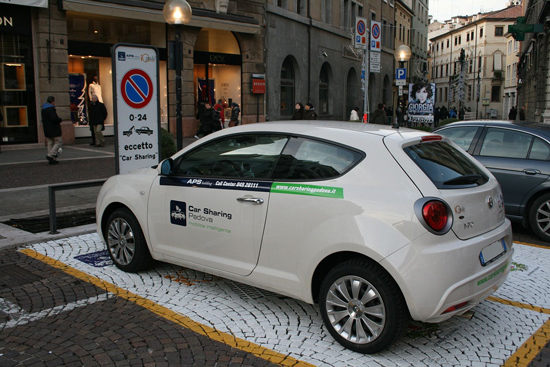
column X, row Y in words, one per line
column 310, row 113
column 98, row 114
column 235, row 112
column 220, row 109
column 210, row 121
column 298, row 111
column 52, row 130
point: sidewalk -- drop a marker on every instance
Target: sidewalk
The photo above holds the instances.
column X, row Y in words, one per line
column 24, row 179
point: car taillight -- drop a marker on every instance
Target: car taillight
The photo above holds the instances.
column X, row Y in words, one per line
column 436, row 215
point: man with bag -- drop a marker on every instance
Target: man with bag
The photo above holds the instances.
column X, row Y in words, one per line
column 52, row 130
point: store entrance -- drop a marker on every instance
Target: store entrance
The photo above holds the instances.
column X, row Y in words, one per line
column 217, row 69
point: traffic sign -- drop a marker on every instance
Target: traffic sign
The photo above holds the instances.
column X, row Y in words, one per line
column 375, row 62
column 375, row 36
column 136, row 88
column 137, row 106
column 400, row 76
column 360, row 33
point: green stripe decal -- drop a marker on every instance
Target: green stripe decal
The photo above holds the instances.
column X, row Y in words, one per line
column 311, row 190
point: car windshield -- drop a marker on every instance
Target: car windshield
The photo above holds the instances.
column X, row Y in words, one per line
column 446, row 166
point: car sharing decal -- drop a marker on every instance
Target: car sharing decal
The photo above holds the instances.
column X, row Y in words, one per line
column 217, row 184
column 311, row 190
column 264, row 186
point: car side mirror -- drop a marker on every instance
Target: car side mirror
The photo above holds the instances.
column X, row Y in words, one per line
column 167, row 167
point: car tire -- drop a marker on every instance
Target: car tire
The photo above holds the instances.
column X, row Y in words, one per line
column 360, row 324
column 125, row 242
column 539, row 217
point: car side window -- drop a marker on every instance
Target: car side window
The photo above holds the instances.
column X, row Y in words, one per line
column 505, row 143
column 306, row 159
column 238, row 156
column 540, row 150
column 461, row 136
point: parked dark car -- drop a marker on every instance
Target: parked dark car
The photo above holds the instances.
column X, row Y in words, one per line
column 518, row 154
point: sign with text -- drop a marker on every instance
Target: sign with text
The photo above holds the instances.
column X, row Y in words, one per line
column 258, row 83
column 375, row 36
column 375, row 62
column 360, row 33
column 137, row 106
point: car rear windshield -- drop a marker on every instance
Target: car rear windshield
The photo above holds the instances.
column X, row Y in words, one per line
column 447, row 167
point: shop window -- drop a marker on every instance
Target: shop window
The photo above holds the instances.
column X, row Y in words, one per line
column 323, row 90
column 287, row 88
column 13, row 76
column 14, row 116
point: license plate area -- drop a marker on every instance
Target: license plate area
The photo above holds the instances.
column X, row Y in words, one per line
column 492, row 252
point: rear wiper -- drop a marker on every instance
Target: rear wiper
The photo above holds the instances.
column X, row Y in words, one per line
column 463, row 180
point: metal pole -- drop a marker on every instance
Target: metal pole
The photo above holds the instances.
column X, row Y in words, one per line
column 366, row 67
column 179, row 65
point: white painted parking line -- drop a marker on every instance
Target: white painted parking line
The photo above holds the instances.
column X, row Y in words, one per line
column 18, row 316
column 294, row 328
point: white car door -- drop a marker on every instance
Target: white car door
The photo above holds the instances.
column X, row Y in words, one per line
column 212, row 210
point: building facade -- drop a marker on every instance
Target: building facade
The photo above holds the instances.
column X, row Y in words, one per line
column 534, row 65
column 419, row 39
column 480, row 86
column 57, row 47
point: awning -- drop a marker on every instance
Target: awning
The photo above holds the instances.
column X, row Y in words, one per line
column 35, row 3
column 198, row 19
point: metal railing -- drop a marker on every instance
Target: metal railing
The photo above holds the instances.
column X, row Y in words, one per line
column 52, row 189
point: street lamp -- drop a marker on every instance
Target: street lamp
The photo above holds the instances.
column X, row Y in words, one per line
column 402, row 54
column 178, row 13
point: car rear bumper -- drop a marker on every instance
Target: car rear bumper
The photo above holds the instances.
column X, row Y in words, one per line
column 439, row 272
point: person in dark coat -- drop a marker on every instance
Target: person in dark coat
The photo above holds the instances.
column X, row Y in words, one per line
column 52, row 130
column 235, row 112
column 310, row 113
column 207, row 119
column 389, row 114
column 379, row 116
column 298, row 111
column 513, row 113
column 98, row 114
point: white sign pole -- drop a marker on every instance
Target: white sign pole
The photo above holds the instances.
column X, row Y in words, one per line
column 137, row 106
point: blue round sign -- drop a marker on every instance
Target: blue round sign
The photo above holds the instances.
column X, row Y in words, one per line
column 375, row 31
column 361, row 27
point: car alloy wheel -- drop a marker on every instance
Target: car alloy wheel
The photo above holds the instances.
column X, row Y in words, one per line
column 126, row 242
column 121, row 241
column 362, row 306
column 539, row 217
column 355, row 309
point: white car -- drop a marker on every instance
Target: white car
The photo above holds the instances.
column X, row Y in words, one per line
column 375, row 224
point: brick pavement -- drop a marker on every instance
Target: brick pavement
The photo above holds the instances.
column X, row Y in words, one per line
column 110, row 332
column 504, row 331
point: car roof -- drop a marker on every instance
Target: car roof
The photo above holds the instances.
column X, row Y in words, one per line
column 324, row 128
column 527, row 126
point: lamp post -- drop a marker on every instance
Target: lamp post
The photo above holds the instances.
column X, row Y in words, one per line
column 402, row 54
column 178, row 13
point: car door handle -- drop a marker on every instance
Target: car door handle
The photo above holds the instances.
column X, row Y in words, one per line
column 531, row 171
column 256, row 201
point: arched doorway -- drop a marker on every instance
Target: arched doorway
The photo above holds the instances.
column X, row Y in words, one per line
column 217, row 68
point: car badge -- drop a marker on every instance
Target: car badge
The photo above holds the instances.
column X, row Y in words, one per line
column 459, row 209
column 490, row 202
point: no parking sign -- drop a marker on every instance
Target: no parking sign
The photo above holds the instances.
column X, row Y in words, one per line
column 375, row 36
column 137, row 107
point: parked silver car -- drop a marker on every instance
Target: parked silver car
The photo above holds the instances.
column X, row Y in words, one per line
column 518, row 154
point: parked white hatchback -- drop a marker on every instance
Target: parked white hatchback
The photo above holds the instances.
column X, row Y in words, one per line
column 375, row 224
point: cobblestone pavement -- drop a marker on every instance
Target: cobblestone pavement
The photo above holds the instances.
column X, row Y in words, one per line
column 176, row 316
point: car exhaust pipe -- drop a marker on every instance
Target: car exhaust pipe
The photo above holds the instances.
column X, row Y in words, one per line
column 468, row 315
